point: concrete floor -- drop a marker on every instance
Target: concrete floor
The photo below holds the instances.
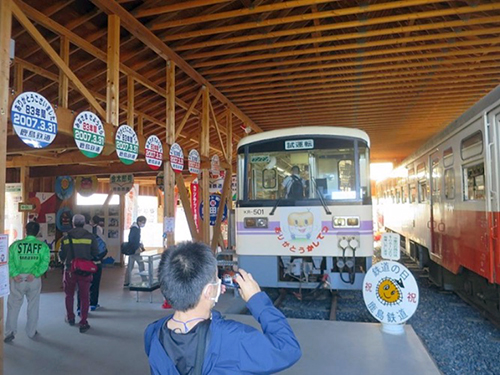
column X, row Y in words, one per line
column 114, row 344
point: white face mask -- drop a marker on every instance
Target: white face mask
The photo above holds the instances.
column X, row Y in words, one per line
column 219, row 286
column 141, row 225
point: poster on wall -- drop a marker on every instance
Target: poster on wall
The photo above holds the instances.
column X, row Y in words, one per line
column 13, row 224
column 89, row 135
column 176, row 158
column 215, row 164
column 64, row 187
column 86, row 185
column 127, row 144
column 34, row 119
column 45, row 215
column 154, row 152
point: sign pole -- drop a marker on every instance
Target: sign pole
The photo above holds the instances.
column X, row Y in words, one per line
column 5, row 34
column 169, row 176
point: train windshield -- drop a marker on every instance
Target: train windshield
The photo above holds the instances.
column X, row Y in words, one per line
column 328, row 168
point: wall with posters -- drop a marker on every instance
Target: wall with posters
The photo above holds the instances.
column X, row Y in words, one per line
column 45, row 215
column 13, row 218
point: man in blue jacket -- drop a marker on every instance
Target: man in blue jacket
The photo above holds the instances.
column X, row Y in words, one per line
column 196, row 340
column 135, row 244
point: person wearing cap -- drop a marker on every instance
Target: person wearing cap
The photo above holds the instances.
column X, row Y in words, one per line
column 28, row 260
column 78, row 243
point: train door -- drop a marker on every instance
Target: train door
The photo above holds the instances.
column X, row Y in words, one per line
column 492, row 123
column 436, row 223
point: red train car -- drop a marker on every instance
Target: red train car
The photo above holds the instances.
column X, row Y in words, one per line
column 444, row 202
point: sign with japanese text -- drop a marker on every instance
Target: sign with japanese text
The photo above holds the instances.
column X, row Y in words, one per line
column 301, row 230
column 391, row 246
column 194, row 162
column 216, row 182
column 214, row 203
column 390, row 292
column 121, row 183
column 25, row 207
column 34, row 119
column 86, row 185
column 234, row 187
column 254, row 159
column 88, row 132
column 215, row 164
column 127, row 144
column 176, row 158
column 154, row 152
column 303, row 144
column 195, row 201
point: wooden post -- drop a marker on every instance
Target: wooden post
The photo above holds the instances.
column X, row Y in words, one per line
column 168, row 173
column 130, row 101
column 5, row 34
column 113, row 72
column 140, row 125
column 229, row 150
column 63, row 78
column 25, row 175
column 204, row 150
column 19, row 78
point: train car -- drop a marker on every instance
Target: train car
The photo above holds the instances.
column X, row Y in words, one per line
column 304, row 211
column 444, row 202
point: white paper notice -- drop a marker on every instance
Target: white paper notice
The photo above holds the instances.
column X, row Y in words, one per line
column 168, row 224
column 4, row 281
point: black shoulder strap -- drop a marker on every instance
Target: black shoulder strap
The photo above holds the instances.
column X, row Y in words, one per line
column 94, row 230
column 71, row 245
column 202, row 344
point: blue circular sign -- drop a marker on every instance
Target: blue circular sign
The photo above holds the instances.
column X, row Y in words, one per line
column 34, row 119
column 214, row 204
column 64, row 187
column 64, row 219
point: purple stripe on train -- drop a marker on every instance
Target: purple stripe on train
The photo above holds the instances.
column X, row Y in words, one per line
column 365, row 226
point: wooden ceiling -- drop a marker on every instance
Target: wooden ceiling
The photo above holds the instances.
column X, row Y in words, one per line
column 400, row 70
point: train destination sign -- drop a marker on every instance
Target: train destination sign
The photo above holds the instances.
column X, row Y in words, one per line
column 34, row 119
column 154, row 152
column 127, row 144
column 391, row 295
column 303, row 144
column 194, row 162
column 89, row 135
column 176, row 158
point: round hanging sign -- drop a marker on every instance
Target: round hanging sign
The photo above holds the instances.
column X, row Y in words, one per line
column 176, row 158
column 34, row 119
column 86, row 185
column 390, row 292
column 154, row 152
column 88, row 132
column 194, row 162
column 63, row 219
column 214, row 203
column 64, row 187
column 127, row 144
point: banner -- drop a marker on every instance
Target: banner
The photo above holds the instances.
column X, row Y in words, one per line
column 195, row 201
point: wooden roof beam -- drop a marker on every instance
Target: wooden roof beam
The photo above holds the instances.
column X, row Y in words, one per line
column 142, row 33
column 156, row 11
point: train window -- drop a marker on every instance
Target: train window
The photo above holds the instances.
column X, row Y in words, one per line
column 413, row 193
column 448, row 157
column 404, row 194
column 398, row 196
column 474, row 182
column 421, row 171
column 422, row 191
column 472, row 145
column 449, row 183
column 436, row 176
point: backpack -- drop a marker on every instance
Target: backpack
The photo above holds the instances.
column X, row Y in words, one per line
column 126, row 249
column 296, row 189
column 101, row 245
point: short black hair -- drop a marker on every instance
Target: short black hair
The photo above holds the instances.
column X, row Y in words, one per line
column 141, row 218
column 296, row 167
column 87, row 218
column 96, row 219
column 184, row 272
column 32, row 228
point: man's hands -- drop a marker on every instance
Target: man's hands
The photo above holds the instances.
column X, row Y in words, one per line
column 30, row 278
column 248, row 286
column 18, row 278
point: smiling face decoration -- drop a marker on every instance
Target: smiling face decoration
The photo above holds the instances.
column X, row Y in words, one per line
column 300, row 224
column 389, row 292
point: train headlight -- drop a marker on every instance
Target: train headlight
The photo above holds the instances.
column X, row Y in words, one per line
column 256, row 222
column 339, row 222
column 353, row 221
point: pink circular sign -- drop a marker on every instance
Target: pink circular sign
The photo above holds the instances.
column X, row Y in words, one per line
column 154, row 152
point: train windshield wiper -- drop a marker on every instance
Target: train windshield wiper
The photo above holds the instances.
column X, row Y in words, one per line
column 321, row 198
column 275, row 206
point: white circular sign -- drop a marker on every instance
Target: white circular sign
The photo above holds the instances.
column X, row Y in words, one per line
column 176, row 158
column 88, row 132
column 34, row 119
column 194, row 162
column 154, row 152
column 390, row 292
column 127, row 144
